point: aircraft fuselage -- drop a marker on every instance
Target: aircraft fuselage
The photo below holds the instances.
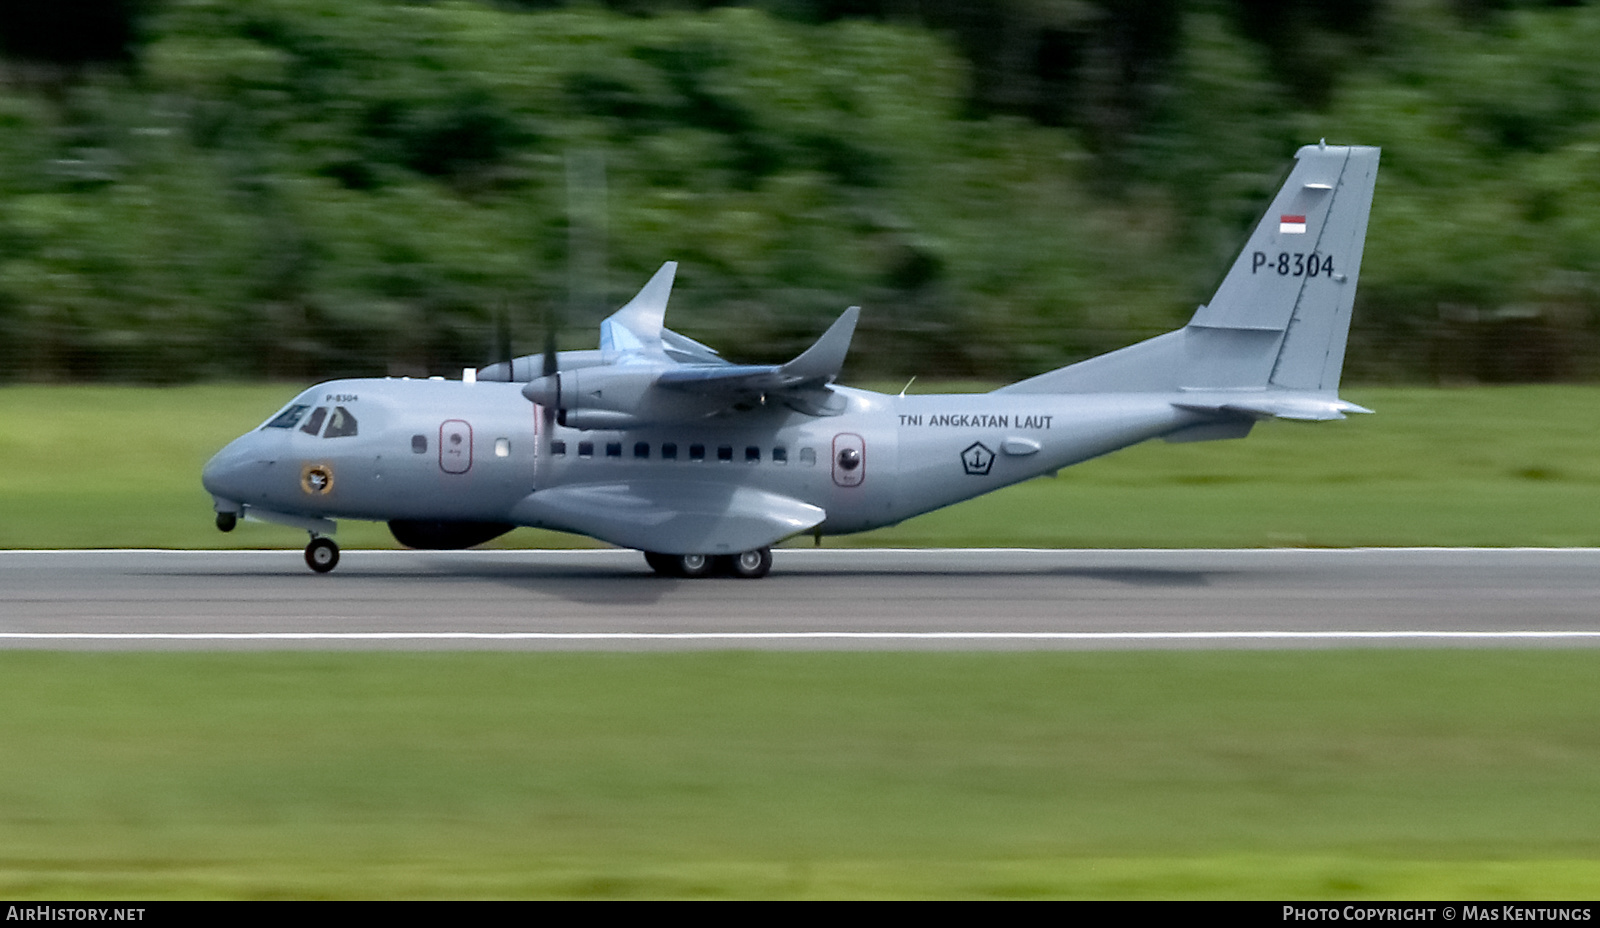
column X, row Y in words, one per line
column 653, row 441
column 451, row 450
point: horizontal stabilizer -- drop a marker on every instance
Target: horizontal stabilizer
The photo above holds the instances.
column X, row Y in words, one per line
column 1276, row 405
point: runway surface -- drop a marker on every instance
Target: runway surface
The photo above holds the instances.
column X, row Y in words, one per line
column 830, row 598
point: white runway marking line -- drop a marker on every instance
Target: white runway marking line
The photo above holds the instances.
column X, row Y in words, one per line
column 779, row 636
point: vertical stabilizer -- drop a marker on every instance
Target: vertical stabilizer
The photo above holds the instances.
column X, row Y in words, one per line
column 1296, row 277
column 1281, row 317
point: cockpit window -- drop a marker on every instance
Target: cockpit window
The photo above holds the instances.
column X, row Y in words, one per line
column 288, row 418
column 314, row 424
column 341, row 424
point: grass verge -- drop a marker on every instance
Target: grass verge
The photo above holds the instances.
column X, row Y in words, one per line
column 1330, row 775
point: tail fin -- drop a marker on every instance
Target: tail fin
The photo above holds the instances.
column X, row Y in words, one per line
column 1280, row 319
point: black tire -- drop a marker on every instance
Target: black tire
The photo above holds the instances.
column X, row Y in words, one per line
column 322, row 555
column 751, row 565
column 664, row 564
column 695, row 566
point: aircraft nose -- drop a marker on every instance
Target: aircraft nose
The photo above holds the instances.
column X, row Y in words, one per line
column 234, row 473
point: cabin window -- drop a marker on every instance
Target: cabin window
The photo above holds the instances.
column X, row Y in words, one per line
column 669, row 451
column 752, row 455
column 341, row 424
column 780, row 455
column 808, row 457
column 314, row 424
column 558, row 448
column 585, row 449
column 613, row 449
column 288, row 418
column 502, row 447
column 697, row 452
column 725, row 453
column 419, row 444
column 641, row 450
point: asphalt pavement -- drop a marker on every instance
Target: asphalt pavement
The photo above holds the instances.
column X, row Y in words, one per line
column 828, row 598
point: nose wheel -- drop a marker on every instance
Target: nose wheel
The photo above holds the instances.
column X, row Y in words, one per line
column 322, row 555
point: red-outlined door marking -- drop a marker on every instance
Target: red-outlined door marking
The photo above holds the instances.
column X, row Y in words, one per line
column 849, row 459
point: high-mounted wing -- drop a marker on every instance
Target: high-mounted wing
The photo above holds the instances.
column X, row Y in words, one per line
column 649, row 374
column 632, row 333
column 817, row 366
column 635, row 329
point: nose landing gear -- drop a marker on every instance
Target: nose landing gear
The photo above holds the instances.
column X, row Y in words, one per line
column 322, row 555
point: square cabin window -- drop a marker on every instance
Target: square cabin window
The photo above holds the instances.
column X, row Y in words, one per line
column 641, row 450
column 669, row 451
column 585, row 449
column 780, row 455
column 697, row 452
column 613, row 449
column 752, row 455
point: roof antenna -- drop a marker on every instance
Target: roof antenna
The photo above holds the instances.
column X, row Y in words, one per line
column 908, row 384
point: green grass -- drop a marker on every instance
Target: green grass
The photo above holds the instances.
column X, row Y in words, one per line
column 1326, row 775
column 1331, row 775
column 120, row 466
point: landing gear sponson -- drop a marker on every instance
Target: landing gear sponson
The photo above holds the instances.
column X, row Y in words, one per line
column 747, row 565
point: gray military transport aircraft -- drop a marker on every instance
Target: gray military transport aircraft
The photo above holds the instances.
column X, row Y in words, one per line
column 654, row 442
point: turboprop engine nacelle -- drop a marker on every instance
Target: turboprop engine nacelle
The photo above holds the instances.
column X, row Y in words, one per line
column 612, row 398
column 612, row 389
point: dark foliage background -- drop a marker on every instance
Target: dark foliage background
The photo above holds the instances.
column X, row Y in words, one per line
column 306, row 188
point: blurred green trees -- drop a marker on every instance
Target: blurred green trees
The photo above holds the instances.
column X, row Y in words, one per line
column 305, row 188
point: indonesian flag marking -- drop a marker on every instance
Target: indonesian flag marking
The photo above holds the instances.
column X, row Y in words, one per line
column 1292, row 225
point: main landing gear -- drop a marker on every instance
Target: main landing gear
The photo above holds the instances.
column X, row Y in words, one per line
column 747, row 565
column 322, row 555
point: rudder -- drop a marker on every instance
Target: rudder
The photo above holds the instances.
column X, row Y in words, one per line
column 1281, row 317
column 1285, row 305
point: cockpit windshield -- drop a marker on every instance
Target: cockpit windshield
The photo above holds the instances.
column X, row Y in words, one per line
column 339, row 421
column 314, row 424
column 288, row 418
column 341, row 424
